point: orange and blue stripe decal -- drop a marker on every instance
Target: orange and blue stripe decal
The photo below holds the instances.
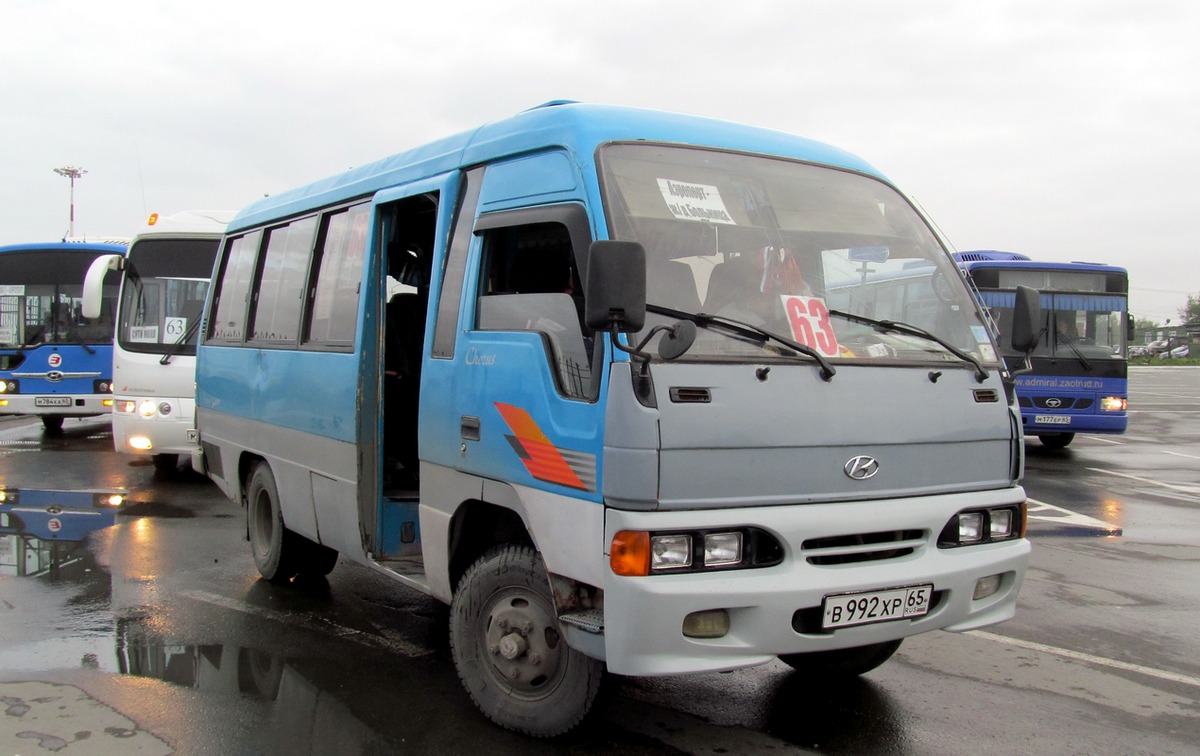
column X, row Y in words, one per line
column 544, row 460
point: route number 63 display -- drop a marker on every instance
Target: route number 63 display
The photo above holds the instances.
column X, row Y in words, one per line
column 809, row 319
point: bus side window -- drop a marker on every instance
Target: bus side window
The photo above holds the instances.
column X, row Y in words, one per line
column 530, row 283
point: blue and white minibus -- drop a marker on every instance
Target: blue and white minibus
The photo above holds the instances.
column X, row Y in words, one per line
column 164, row 279
column 611, row 419
column 1078, row 377
column 55, row 362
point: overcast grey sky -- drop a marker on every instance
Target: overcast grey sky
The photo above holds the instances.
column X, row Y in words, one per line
column 1065, row 130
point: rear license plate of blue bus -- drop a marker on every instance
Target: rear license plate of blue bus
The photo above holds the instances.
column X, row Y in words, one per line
column 849, row 609
column 1052, row 419
column 52, row 401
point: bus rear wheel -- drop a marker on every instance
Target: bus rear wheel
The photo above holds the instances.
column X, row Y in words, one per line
column 510, row 655
column 1056, row 440
column 842, row 662
column 279, row 554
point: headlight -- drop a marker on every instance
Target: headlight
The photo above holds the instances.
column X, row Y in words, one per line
column 639, row 553
column 9, row 387
column 668, row 552
column 147, row 408
column 1000, row 523
column 970, row 527
column 1114, row 404
column 975, row 526
column 127, row 406
column 722, row 549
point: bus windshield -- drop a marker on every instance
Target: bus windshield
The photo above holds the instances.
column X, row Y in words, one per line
column 166, row 281
column 1084, row 321
column 41, row 300
column 823, row 257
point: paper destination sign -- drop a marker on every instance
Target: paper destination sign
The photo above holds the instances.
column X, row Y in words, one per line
column 695, row 202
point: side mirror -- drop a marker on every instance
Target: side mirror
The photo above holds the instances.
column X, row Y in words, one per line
column 615, row 292
column 93, row 283
column 1027, row 318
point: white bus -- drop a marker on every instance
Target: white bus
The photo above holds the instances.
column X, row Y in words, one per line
column 163, row 285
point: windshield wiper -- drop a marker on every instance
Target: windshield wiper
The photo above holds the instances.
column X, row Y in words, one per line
column 912, row 330
column 743, row 328
column 181, row 342
column 1070, row 342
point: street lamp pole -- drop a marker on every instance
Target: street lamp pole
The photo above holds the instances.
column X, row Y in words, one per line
column 72, row 173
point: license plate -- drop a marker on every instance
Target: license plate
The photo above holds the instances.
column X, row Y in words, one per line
column 1052, row 419
column 849, row 609
column 52, row 401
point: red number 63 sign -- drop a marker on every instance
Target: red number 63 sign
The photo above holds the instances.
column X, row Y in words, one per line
column 809, row 319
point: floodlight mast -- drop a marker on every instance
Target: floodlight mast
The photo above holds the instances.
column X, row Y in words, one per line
column 72, row 173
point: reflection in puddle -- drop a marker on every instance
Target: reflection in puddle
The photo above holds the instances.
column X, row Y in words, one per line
column 209, row 667
column 42, row 532
column 299, row 717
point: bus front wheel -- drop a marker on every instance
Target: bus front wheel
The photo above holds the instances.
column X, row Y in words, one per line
column 52, row 423
column 1056, row 440
column 166, row 463
column 842, row 662
column 510, row 655
column 279, row 553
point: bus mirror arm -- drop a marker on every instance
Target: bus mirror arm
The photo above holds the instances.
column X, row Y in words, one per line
column 93, row 283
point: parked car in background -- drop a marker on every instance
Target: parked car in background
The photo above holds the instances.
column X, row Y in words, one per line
column 1177, row 352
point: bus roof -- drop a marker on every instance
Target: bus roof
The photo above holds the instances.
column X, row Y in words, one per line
column 186, row 223
column 577, row 127
column 990, row 258
column 117, row 247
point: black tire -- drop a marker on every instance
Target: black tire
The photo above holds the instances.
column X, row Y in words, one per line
column 843, row 662
column 509, row 652
column 279, row 554
column 1056, row 440
column 313, row 559
column 264, row 526
column 52, row 423
column 167, row 463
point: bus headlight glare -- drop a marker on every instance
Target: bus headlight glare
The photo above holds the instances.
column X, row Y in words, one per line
column 670, row 551
column 141, row 443
column 127, row 405
column 1114, row 404
column 147, row 408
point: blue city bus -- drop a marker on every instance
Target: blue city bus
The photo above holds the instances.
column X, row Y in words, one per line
column 40, row 529
column 609, row 415
column 1078, row 377
column 54, row 362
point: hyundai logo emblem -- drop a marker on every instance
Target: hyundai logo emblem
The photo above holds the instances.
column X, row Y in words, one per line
column 1054, row 402
column 54, row 376
column 861, row 467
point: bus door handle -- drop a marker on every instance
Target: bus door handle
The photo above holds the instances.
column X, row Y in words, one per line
column 470, row 428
